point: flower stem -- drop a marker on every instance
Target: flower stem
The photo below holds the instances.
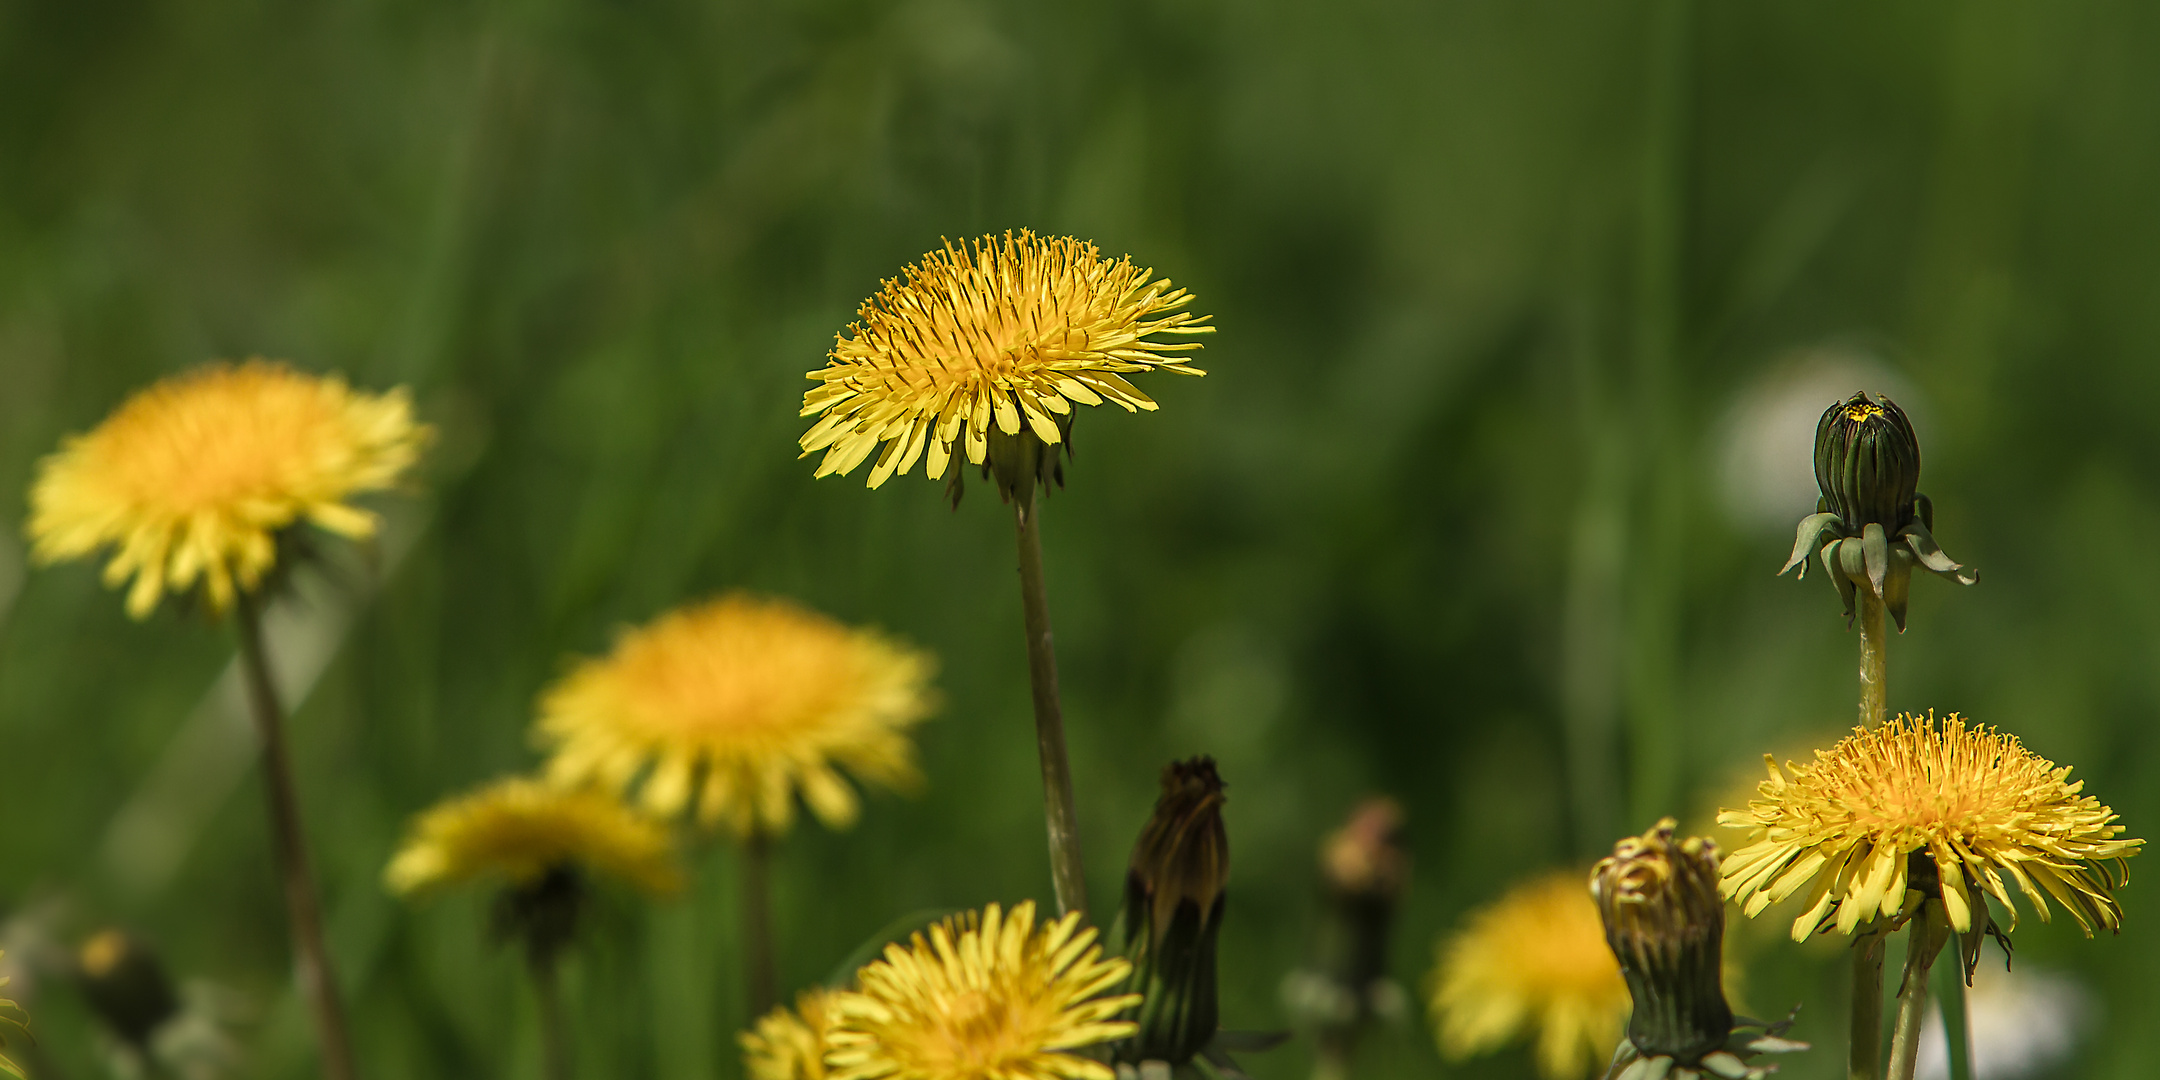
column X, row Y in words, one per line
column 1874, row 661
column 554, row 1029
column 1950, row 994
column 311, row 958
column 1929, row 931
column 1067, row 873
column 1863, row 1056
column 757, row 924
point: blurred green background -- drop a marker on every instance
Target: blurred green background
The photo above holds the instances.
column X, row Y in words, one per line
column 1526, row 313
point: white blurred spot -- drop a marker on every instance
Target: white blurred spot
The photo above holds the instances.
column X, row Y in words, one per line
column 2022, row 1022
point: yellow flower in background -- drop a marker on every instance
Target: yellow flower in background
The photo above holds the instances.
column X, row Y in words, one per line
column 1978, row 803
column 789, row 1044
column 738, row 704
column 987, row 997
column 1533, row 963
column 519, row 829
column 192, row 478
column 1008, row 331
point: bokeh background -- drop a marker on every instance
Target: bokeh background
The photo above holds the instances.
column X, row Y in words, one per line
column 1526, row 311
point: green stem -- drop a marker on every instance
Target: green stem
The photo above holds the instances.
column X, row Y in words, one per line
column 1863, row 1055
column 757, row 924
column 1950, row 993
column 311, row 957
column 1874, row 661
column 1067, row 873
column 1929, row 930
column 554, row 1027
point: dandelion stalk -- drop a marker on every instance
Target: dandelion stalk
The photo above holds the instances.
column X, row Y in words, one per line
column 1863, row 1057
column 757, row 923
column 1874, row 662
column 1957, row 1031
column 1068, row 875
column 554, row 1026
column 311, row 957
column 1924, row 943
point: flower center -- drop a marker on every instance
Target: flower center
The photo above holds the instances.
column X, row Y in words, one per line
column 1860, row 414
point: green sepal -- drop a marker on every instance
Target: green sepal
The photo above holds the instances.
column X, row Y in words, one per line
column 1833, row 557
column 1875, row 552
column 1897, row 584
column 1811, row 527
column 1922, row 542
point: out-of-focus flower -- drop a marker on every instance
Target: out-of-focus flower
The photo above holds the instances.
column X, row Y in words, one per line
column 1939, row 805
column 986, row 996
column 10, row 1016
column 2023, row 1022
column 789, row 1044
column 989, row 345
column 518, row 830
column 1878, row 525
column 195, row 478
column 1173, row 912
column 739, row 704
column 1532, row 964
column 1365, row 868
column 126, row 986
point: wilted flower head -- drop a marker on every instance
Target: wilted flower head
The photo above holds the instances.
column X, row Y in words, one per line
column 1533, row 963
column 126, row 985
column 1173, row 912
column 1947, row 808
column 518, row 830
column 989, row 345
column 1666, row 925
column 1872, row 524
column 789, row 1044
column 985, row 997
column 738, row 704
column 193, row 478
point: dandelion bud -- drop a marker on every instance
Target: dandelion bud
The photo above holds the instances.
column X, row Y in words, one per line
column 1666, row 925
column 126, row 986
column 1173, row 909
column 1867, row 462
column 1872, row 526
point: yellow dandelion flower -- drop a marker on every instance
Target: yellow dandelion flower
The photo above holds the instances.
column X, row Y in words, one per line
column 1007, row 331
column 519, row 829
column 741, row 702
column 1974, row 800
column 192, row 478
column 987, row 997
column 1532, row 963
column 789, row 1044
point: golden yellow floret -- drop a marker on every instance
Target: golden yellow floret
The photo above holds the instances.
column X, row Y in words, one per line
column 1533, row 963
column 985, row 997
column 1972, row 799
column 1011, row 331
column 789, row 1044
column 518, row 829
column 740, row 703
column 192, row 478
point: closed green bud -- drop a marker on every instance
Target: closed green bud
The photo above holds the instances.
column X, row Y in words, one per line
column 1872, row 525
column 1665, row 922
column 1173, row 910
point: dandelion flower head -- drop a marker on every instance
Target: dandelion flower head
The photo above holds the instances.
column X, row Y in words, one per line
column 519, row 829
column 738, row 704
column 1533, row 963
column 988, row 997
column 192, row 478
column 1968, row 803
column 789, row 1044
column 1009, row 331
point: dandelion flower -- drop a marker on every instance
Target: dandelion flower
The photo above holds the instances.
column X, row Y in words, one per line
column 999, row 335
column 1532, row 963
column 789, row 1044
column 984, row 998
column 194, row 477
column 519, row 830
column 1914, row 799
column 740, row 702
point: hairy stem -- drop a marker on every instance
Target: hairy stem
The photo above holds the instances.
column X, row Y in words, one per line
column 1067, row 873
column 311, row 958
column 1874, row 661
column 1863, row 1056
column 757, row 924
